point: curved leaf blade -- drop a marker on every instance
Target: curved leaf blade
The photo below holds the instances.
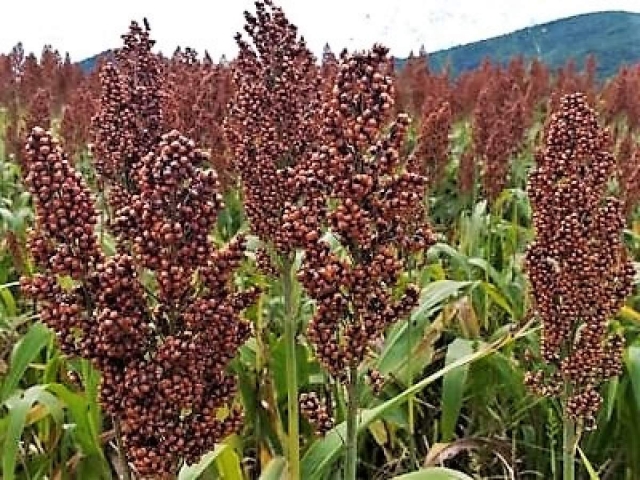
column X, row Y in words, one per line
column 434, row 473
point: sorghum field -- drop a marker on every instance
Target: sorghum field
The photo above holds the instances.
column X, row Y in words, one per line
column 288, row 267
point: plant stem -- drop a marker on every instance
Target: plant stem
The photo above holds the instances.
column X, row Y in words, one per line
column 290, row 330
column 351, row 454
column 126, row 471
column 410, row 402
column 568, row 448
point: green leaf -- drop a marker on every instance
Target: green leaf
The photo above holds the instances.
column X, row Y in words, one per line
column 497, row 298
column 18, row 407
column 228, row 465
column 324, row 452
column 434, row 473
column 435, row 294
column 9, row 302
column 24, row 352
column 279, row 366
column 453, row 386
column 193, row 472
column 633, row 365
column 610, row 397
column 395, row 356
column 84, row 430
column 275, row 470
column 593, row 475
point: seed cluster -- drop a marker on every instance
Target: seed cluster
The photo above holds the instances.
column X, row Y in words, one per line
column 628, row 170
column 63, row 244
column 129, row 120
column 76, row 119
column 39, row 110
column 316, row 412
column 432, row 153
column 499, row 122
column 163, row 362
column 378, row 213
column 579, row 271
column 272, row 122
column 196, row 104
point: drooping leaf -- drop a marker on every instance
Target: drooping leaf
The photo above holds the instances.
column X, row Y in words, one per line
column 453, row 386
column 396, row 352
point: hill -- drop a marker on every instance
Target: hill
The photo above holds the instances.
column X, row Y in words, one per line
column 88, row 64
column 613, row 37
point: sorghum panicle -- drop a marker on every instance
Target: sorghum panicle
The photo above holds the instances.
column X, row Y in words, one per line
column 39, row 110
column 163, row 362
column 272, row 122
column 316, row 411
column 379, row 213
column 432, row 152
column 578, row 267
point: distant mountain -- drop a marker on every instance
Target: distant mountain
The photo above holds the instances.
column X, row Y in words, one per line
column 88, row 64
column 613, row 37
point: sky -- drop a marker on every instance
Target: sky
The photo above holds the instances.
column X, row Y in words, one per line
column 84, row 27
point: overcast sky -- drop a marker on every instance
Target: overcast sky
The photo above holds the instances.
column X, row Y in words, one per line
column 84, row 27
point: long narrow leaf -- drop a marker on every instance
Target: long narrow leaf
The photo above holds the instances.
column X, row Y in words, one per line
column 19, row 406
column 24, row 352
column 453, row 386
column 324, row 452
column 275, row 469
column 193, row 472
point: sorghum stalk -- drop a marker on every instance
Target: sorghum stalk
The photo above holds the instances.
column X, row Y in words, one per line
column 290, row 332
column 351, row 457
column 270, row 128
column 569, row 439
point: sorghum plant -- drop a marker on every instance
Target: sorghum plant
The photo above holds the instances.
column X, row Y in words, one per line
column 162, row 351
column 432, row 154
column 578, row 267
column 160, row 319
column 628, row 173
column 270, row 128
column 39, row 110
column 196, row 103
column 75, row 127
column 377, row 216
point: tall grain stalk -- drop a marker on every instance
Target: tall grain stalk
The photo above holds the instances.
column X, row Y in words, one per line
column 578, row 267
column 351, row 452
column 569, row 439
column 271, row 127
column 290, row 331
column 376, row 216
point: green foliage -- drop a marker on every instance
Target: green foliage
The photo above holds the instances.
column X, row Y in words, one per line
column 435, row 473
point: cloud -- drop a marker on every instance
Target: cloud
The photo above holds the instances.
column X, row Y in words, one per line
column 85, row 28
